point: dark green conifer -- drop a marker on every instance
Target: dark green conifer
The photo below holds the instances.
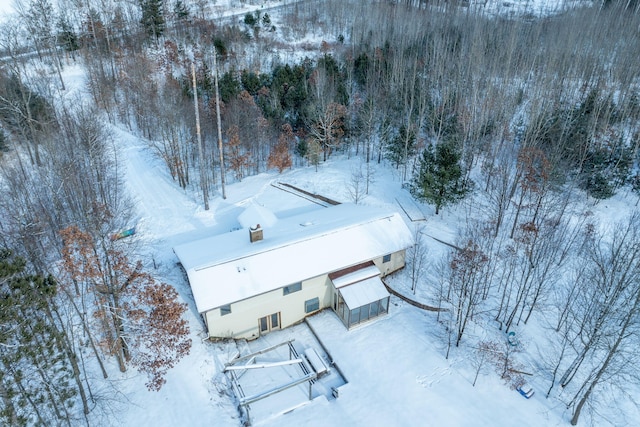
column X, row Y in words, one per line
column 439, row 178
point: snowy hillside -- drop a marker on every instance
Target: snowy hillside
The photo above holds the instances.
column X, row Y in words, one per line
column 395, row 367
column 520, row 297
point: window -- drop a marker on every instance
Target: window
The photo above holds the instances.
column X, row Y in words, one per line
column 292, row 288
column 312, row 305
column 225, row 309
column 354, row 316
column 375, row 308
column 384, row 305
column 364, row 312
column 386, row 258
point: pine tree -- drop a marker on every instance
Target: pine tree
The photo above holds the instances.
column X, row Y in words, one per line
column 152, row 17
column 67, row 37
column 439, row 179
column 180, row 10
column 36, row 375
column 395, row 146
column 3, row 141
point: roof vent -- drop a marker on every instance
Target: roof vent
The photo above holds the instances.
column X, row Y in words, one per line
column 255, row 233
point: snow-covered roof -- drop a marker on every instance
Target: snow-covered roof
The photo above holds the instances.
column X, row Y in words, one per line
column 364, row 292
column 256, row 214
column 227, row 268
column 356, row 276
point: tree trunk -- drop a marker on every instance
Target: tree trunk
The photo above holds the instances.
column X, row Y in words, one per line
column 87, row 330
column 63, row 342
column 596, row 380
column 121, row 351
column 203, row 175
column 220, row 148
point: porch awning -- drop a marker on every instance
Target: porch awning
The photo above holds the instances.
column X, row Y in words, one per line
column 363, row 292
column 349, row 276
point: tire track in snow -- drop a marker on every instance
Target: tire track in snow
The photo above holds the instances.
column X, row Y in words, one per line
column 162, row 209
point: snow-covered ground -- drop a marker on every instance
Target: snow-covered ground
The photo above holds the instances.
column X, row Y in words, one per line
column 395, row 366
column 527, row 8
column 396, row 370
column 6, row 8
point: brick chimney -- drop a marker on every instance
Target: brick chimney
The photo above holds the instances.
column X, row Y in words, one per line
column 255, row 233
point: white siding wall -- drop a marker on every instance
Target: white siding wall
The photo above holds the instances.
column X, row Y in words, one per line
column 242, row 322
column 396, row 263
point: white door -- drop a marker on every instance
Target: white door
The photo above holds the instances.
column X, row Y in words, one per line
column 269, row 323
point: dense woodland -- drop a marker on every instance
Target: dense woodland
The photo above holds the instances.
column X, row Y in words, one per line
column 533, row 116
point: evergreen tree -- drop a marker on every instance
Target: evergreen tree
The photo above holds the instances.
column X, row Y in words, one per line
column 289, row 86
column 3, row 141
column 361, row 67
column 67, row 37
column 395, row 146
column 251, row 82
column 302, row 148
column 439, row 179
column 180, row 10
column 230, row 87
column 266, row 20
column 250, row 20
column 605, row 169
column 336, row 80
column 221, row 47
column 36, row 374
column 152, row 17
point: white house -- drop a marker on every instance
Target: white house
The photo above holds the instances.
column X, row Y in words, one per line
column 251, row 281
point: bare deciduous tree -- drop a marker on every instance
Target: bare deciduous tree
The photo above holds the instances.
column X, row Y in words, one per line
column 416, row 257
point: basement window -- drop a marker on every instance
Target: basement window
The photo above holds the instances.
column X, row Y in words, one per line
column 225, row 309
column 292, row 288
column 312, row 305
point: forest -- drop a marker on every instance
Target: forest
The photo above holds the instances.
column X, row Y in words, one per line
column 540, row 115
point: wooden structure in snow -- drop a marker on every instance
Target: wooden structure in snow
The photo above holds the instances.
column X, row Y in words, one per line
column 311, row 370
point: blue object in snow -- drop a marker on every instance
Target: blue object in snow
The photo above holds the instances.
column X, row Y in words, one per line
column 124, row 233
column 526, row 390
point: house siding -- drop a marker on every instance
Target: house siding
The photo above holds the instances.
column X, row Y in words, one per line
column 242, row 322
column 396, row 263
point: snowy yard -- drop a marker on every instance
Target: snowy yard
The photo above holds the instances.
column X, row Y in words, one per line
column 396, row 370
column 395, row 367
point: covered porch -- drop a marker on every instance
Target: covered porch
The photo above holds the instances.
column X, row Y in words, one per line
column 359, row 294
